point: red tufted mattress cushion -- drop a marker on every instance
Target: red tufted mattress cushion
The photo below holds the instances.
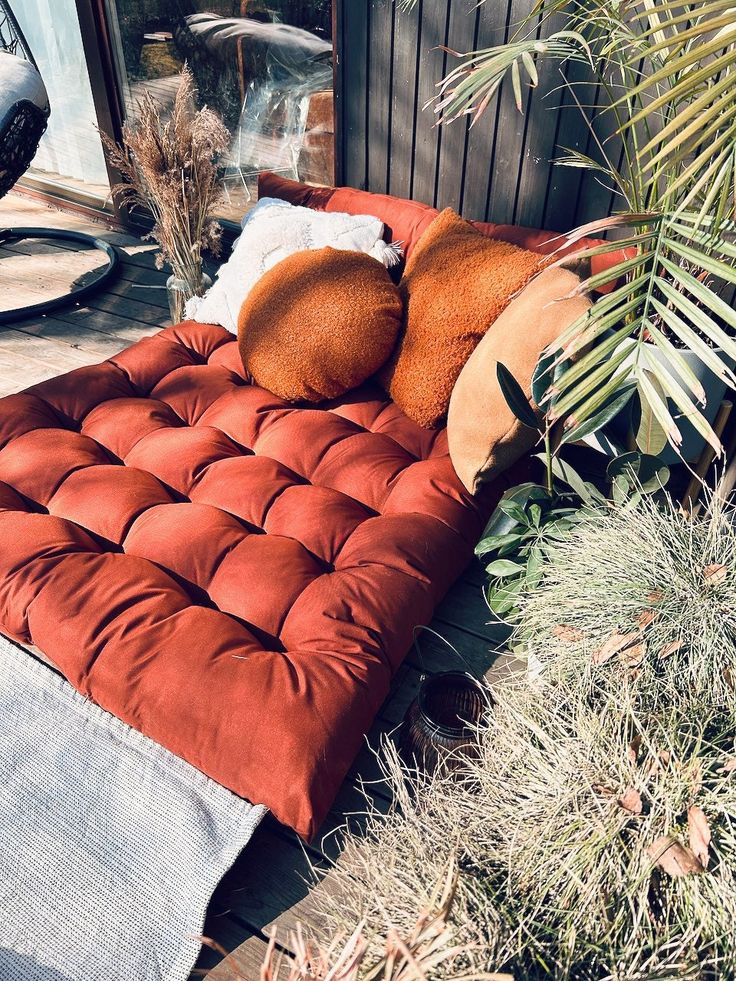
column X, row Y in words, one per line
column 407, row 220
column 234, row 576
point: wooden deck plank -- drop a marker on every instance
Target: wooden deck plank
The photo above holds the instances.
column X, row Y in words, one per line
column 268, row 887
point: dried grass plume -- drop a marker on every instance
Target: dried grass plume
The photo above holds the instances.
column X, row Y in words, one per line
column 170, row 164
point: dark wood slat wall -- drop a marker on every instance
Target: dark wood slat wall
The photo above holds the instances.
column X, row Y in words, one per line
column 500, row 169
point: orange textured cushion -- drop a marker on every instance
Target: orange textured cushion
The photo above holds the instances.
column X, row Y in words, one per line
column 485, row 437
column 318, row 324
column 456, row 284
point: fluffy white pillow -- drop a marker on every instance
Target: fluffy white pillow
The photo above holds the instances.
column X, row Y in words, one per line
column 272, row 231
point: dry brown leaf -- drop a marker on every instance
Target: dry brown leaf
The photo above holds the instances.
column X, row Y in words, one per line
column 671, row 648
column 715, row 573
column 567, row 633
column 634, row 747
column 728, row 678
column 645, row 618
column 633, row 656
column 699, row 834
column 662, row 759
column 729, row 766
column 656, row 596
column 673, row 858
column 615, row 643
column 631, row 801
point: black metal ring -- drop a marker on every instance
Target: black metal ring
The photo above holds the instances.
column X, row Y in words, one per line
column 47, row 306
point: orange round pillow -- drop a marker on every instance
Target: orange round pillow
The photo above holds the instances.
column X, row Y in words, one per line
column 319, row 323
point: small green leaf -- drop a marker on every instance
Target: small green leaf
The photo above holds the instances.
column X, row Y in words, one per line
column 600, row 419
column 653, row 474
column 620, row 489
column 499, row 602
column 515, row 398
column 501, row 523
column 587, row 492
column 510, row 547
column 496, row 543
column 515, row 511
column 650, row 436
column 504, row 567
column 642, row 470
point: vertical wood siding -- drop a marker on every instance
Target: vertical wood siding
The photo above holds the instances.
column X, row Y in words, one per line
column 389, row 63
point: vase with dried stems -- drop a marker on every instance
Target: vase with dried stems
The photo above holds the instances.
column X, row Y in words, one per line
column 168, row 162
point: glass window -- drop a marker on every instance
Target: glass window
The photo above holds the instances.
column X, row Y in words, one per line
column 266, row 67
column 70, row 154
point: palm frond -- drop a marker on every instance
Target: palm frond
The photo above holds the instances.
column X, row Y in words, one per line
column 469, row 87
column 667, row 299
column 666, row 72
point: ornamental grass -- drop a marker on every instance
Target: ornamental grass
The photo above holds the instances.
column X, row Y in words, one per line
column 429, row 945
column 595, row 829
column 642, row 593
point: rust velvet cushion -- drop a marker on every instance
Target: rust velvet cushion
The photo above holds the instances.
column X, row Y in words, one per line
column 406, row 221
column 318, row 324
column 455, row 285
column 235, row 576
column 484, row 436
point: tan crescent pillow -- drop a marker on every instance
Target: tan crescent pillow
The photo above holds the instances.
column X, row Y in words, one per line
column 456, row 283
column 319, row 323
column 484, row 435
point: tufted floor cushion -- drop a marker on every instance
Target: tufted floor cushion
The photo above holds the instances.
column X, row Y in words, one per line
column 234, row 576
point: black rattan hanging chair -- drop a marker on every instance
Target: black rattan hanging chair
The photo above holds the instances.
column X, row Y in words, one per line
column 24, row 113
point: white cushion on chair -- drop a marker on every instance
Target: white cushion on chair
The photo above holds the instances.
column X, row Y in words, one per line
column 19, row 80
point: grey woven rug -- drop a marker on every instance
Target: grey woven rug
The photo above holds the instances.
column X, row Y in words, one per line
column 110, row 847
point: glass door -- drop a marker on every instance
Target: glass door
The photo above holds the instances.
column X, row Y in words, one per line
column 266, row 67
column 70, row 158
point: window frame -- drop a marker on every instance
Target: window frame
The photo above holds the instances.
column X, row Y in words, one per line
column 98, row 43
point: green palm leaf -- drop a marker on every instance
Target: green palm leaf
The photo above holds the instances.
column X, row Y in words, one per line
column 668, row 71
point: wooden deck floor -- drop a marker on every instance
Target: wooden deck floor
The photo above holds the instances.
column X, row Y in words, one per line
column 271, row 886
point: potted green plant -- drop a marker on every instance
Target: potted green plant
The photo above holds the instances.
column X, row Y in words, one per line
column 531, row 517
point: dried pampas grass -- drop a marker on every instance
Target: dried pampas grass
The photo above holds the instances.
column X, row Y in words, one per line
column 170, row 165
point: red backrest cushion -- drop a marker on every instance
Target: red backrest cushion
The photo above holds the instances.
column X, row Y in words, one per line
column 405, row 221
